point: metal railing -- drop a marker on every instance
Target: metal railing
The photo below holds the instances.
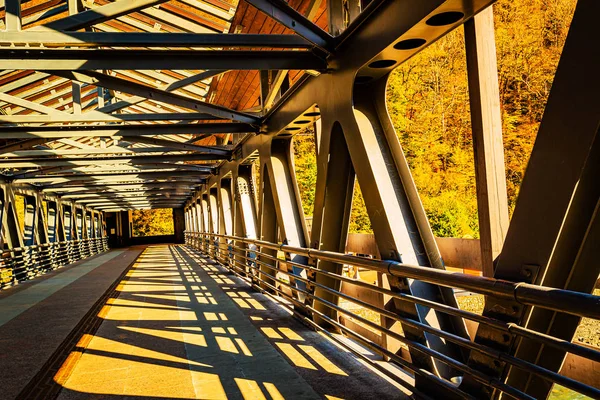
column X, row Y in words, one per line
column 25, row 263
column 247, row 259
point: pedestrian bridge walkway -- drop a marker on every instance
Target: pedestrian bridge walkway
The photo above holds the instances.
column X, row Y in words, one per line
column 164, row 322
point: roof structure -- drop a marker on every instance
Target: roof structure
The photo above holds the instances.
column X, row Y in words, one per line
column 108, row 94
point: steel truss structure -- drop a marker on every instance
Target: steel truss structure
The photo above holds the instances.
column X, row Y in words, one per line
column 109, row 106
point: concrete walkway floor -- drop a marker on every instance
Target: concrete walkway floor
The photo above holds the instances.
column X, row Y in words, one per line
column 179, row 326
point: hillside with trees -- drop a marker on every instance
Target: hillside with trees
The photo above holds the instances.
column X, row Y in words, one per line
column 152, row 222
column 428, row 102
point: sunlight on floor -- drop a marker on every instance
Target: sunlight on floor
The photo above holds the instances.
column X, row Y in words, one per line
column 170, row 332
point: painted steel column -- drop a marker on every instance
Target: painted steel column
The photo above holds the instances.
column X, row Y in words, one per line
column 198, row 221
column 486, row 122
column 213, row 209
column 13, row 15
column 333, row 204
column 245, row 214
column 29, row 234
column 205, row 220
column 41, row 229
column 399, row 222
column 226, row 215
column 573, row 266
column 13, row 234
column 288, row 207
column 545, row 227
column 268, row 225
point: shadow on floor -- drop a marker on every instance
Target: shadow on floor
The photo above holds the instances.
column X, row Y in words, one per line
column 179, row 326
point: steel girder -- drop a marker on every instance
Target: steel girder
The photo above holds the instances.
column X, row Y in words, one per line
column 555, row 218
column 111, row 193
column 292, row 19
column 87, row 60
column 148, row 39
column 74, row 131
column 98, row 117
column 358, row 106
column 111, row 82
column 38, row 229
column 97, row 15
column 133, row 160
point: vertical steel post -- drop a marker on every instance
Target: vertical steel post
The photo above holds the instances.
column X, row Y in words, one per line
column 545, row 226
column 486, row 123
column 333, row 204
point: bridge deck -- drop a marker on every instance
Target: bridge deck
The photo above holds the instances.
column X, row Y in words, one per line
column 170, row 325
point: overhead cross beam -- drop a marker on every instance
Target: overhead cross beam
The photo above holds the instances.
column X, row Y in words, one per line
column 22, row 145
column 101, row 117
column 133, row 160
column 148, row 92
column 167, row 88
column 82, row 171
column 121, row 181
column 281, row 12
column 104, row 193
column 87, row 60
column 180, row 146
column 154, row 196
column 61, row 179
column 74, row 131
column 150, row 39
column 123, row 187
column 97, row 15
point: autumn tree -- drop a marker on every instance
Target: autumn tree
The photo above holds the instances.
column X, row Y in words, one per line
column 152, row 222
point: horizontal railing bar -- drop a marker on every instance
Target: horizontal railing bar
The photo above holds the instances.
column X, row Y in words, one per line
column 521, row 364
column 576, row 303
column 566, row 346
column 416, row 346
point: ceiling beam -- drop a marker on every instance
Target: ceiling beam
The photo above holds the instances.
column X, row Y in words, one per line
column 89, row 183
column 180, row 146
column 22, row 145
column 138, row 160
column 87, row 60
column 129, row 169
column 155, row 196
column 74, row 131
column 190, row 80
column 12, row 11
column 97, row 15
column 30, row 105
column 80, row 152
column 280, row 11
column 101, row 117
column 60, row 179
column 148, row 92
column 123, row 187
column 103, row 193
column 150, row 39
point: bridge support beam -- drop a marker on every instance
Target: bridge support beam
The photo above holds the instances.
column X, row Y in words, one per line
column 333, row 204
column 245, row 213
column 277, row 160
column 555, row 218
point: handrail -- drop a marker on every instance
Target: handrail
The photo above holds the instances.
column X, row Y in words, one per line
column 567, row 301
column 27, row 262
column 244, row 262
